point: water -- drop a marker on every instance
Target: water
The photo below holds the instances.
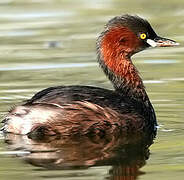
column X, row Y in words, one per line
column 51, row 42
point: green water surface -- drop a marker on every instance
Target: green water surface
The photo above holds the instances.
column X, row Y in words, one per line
column 52, row 42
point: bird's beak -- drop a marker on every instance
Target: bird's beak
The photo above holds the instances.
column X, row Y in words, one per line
column 161, row 42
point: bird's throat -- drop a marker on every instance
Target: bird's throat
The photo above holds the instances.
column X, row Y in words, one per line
column 124, row 76
column 115, row 48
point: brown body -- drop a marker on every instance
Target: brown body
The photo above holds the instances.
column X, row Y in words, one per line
column 85, row 110
column 67, row 116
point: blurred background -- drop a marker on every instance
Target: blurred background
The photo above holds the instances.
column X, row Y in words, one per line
column 52, row 42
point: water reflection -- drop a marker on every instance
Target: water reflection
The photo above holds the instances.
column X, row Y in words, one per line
column 125, row 155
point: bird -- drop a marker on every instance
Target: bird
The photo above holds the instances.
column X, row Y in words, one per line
column 85, row 110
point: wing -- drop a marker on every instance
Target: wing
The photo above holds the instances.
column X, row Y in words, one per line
column 61, row 95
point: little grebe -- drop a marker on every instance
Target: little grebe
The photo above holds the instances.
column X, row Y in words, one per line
column 71, row 110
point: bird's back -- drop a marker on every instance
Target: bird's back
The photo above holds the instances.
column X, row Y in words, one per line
column 71, row 110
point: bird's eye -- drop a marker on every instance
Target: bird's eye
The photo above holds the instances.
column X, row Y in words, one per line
column 143, row 36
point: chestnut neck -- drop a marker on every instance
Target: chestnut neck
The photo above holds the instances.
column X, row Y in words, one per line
column 115, row 48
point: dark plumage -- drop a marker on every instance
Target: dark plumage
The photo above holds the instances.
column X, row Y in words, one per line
column 135, row 23
column 85, row 110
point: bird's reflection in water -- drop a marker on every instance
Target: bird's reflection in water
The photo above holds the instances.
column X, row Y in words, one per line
column 126, row 155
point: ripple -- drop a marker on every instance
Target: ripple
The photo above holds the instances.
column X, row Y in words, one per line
column 161, row 128
column 17, row 33
column 153, row 81
column 167, row 130
column 14, row 153
column 35, row 15
column 175, row 79
column 48, row 66
column 160, row 61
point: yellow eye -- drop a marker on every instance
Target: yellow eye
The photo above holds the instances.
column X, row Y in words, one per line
column 143, row 36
